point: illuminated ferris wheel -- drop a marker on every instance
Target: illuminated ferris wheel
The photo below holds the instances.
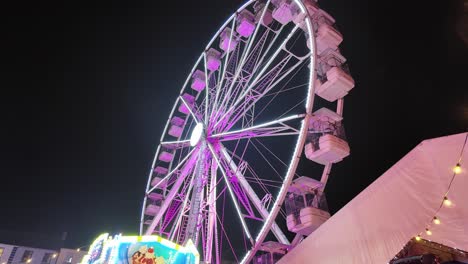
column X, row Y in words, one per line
column 268, row 87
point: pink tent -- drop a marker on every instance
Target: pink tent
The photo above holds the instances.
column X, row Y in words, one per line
column 399, row 205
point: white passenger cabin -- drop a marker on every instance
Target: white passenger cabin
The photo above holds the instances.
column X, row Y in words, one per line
column 158, row 180
column 198, row 81
column 152, row 210
column 246, row 24
column 166, row 156
column 329, row 59
column 155, row 197
column 176, row 127
column 270, row 252
column 175, row 131
column 326, row 142
column 160, row 170
column 327, row 38
column 306, row 207
column 189, row 99
column 267, row 17
column 285, row 11
column 227, row 42
column 337, row 85
column 213, row 59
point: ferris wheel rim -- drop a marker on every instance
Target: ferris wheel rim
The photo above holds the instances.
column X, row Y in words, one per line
column 292, row 167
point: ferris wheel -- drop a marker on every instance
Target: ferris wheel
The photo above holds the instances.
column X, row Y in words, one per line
column 268, row 87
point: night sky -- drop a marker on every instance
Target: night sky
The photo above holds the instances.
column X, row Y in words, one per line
column 87, row 87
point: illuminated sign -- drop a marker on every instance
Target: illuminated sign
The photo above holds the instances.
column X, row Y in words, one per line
column 140, row 250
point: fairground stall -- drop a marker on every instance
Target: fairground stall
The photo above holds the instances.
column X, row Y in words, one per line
column 139, row 250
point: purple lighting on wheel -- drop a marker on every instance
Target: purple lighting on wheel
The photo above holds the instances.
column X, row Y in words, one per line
column 236, row 134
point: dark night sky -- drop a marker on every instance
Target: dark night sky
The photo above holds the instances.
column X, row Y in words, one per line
column 87, row 87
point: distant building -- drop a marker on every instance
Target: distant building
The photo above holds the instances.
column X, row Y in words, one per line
column 12, row 254
column 70, row 256
column 21, row 247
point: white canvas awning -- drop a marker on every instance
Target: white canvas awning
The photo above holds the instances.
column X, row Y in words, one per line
column 375, row 225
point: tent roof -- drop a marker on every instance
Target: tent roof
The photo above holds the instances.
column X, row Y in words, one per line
column 377, row 223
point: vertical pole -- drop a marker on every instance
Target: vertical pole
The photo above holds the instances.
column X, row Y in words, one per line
column 211, row 212
column 195, row 205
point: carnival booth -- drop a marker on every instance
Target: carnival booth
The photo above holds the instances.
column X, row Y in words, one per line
column 139, row 250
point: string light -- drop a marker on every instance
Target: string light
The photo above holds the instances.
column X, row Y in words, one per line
column 447, row 202
column 428, row 232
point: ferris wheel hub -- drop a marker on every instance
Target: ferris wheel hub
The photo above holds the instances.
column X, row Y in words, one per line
column 197, row 134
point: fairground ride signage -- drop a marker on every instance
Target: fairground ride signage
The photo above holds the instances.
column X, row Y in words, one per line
column 139, row 250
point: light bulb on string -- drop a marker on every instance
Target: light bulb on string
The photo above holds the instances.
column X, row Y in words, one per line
column 457, row 169
column 428, row 232
column 418, row 238
column 436, row 220
column 447, row 202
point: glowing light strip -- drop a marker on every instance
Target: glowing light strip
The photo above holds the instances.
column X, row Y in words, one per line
column 207, row 88
column 101, row 237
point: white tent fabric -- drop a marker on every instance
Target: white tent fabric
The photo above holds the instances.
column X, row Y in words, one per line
column 377, row 223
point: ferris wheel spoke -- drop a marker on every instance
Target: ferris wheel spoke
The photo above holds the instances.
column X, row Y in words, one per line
column 227, row 57
column 232, row 194
column 245, row 53
column 195, row 115
column 268, row 129
column 222, row 75
column 212, row 214
column 207, row 89
column 273, row 154
column 174, row 190
column 245, row 73
column 285, row 88
column 254, row 59
column 252, row 194
column 258, row 93
column 259, row 75
column 221, row 224
column 182, row 210
column 212, row 91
